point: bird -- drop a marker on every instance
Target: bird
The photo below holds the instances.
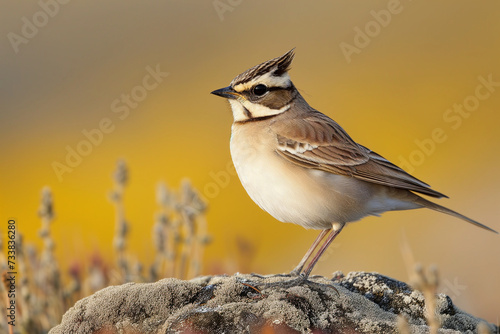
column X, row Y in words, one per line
column 302, row 167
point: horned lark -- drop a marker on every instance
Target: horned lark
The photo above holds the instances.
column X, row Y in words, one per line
column 301, row 167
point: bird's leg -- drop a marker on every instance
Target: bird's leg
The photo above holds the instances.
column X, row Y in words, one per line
column 302, row 277
column 311, row 249
column 335, row 231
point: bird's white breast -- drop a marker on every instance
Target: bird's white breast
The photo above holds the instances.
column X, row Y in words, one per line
column 290, row 193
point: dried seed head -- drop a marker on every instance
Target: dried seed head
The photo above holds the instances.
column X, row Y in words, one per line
column 483, row 328
column 191, row 198
column 163, row 196
column 403, row 326
column 44, row 232
column 46, row 209
column 159, row 237
column 418, row 279
column 49, row 244
column 119, row 243
column 121, row 173
column 122, row 228
column 114, row 196
column 432, row 276
column 206, row 239
column 162, row 219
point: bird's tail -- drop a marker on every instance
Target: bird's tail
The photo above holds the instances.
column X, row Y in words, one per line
column 430, row 205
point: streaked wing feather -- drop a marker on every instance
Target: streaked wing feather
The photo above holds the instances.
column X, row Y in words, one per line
column 316, row 141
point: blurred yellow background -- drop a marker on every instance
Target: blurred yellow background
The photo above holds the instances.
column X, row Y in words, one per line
column 387, row 71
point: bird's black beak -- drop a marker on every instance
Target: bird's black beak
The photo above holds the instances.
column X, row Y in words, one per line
column 227, row 92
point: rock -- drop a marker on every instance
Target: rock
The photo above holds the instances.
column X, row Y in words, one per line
column 357, row 303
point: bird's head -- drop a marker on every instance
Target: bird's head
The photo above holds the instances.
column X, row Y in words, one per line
column 262, row 91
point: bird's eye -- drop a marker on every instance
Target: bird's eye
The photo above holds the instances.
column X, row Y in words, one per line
column 260, row 90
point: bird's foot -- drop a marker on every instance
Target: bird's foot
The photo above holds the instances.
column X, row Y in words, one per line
column 298, row 279
column 269, row 276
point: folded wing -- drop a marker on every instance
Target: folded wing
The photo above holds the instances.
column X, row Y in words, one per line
column 313, row 140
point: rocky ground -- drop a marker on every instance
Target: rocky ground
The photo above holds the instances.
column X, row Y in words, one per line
column 359, row 302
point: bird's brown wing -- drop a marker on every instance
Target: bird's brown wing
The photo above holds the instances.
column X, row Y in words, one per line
column 316, row 141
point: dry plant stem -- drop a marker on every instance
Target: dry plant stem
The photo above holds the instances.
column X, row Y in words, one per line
column 30, row 311
column 185, row 251
column 120, row 227
column 163, row 254
column 176, row 244
column 170, row 235
column 169, row 254
column 187, row 227
column 191, row 243
column 173, row 240
column 50, row 284
column 159, row 242
column 202, row 240
column 428, row 284
column 191, row 210
column 403, row 326
column 162, row 227
column 120, row 178
column 483, row 328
